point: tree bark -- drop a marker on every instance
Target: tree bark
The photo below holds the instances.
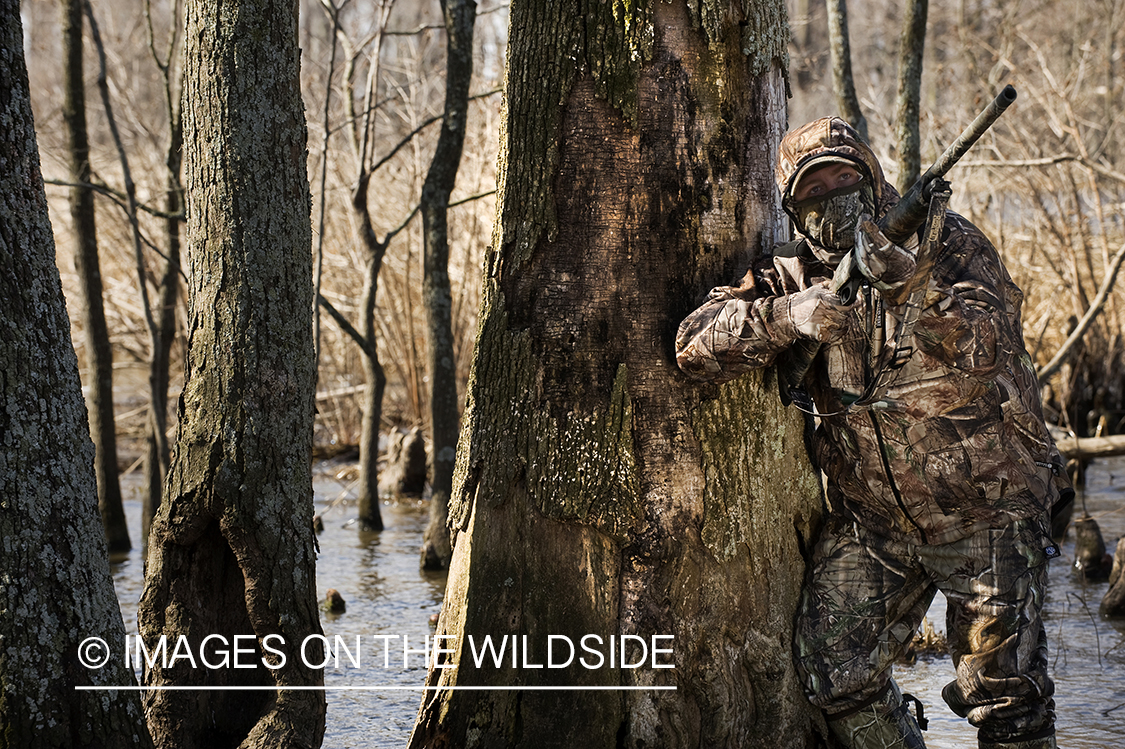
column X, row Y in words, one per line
column 99, row 354
column 231, row 551
column 843, row 82
column 912, row 44
column 445, row 415
column 55, row 585
column 597, row 491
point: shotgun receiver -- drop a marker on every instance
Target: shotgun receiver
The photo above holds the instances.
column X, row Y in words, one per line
column 898, row 224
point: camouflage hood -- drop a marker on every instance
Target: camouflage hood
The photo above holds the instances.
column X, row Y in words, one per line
column 829, row 138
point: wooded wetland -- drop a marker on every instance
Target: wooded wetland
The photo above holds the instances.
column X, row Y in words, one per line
column 368, row 226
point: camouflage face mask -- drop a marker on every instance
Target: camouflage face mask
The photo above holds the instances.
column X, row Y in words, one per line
column 830, row 220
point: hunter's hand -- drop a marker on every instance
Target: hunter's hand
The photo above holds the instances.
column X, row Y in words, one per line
column 882, row 262
column 817, row 313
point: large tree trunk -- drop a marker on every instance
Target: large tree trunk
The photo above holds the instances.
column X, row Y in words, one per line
column 597, row 491
column 231, row 551
column 912, row 44
column 56, row 589
column 99, row 354
column 843, row 82
column 445, row 415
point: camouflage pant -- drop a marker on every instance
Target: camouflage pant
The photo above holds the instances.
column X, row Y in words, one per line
column 868, row 594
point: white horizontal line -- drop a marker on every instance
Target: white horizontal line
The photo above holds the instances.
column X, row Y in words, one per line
column 376, row 688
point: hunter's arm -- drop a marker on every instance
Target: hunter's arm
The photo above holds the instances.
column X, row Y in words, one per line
column 733, row 332
column 971, row 317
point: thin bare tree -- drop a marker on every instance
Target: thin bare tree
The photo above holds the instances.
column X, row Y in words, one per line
column 460, row 16
column 361, row 103
column 911, row 47
column 99, row 353
column 843, row 81
column 163, row 333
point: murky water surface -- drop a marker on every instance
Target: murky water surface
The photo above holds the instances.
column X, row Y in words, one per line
column 390, row 602
column 1087, row 653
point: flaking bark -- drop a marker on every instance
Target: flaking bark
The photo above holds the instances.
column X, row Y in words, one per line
column 231, row 551
column 597, row 491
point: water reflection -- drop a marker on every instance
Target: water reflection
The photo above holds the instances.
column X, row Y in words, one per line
column 390, row 602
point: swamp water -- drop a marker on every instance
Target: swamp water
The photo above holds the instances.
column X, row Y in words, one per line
column 391, row 599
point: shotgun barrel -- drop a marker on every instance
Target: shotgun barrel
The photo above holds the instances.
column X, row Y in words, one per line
column 904, row 218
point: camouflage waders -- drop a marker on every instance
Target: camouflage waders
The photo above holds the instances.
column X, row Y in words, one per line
column 867, row 596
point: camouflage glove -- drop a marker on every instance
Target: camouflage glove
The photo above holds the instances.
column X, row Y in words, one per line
column 816, row 313
column 882, row 262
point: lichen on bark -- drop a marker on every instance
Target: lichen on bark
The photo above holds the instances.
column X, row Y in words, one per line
column 55, row 585
column 618, row 209
column 748, row 468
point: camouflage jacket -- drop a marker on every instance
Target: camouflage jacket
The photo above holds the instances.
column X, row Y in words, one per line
column 958, row 442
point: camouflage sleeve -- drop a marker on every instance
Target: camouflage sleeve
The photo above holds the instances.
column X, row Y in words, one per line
column 736, row 330
column 971, row 319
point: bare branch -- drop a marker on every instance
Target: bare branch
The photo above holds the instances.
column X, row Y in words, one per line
column 406, row 222
column 130, row 188
column 334, row 14
column 116, row 196
column 1101, row 169
column 345, row 326
column 1053, row 366
column 471, row 198
column 424, row 124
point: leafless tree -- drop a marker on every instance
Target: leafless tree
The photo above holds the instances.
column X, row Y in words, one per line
column 99, row 354
column 597, row 491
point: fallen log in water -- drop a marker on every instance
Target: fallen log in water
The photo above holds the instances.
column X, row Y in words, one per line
column 1088, row 448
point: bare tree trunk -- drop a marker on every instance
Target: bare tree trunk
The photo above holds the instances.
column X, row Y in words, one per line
column 809, row 42
column 460, row 16
column 232, row 547
column 99, row 354
column 843, row 82
column 361, row 106
column 158, row 453
column 911, row 47
column 57, row 591
column 367, row 501
column 598, row 494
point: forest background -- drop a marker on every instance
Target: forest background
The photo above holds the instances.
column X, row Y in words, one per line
column 1046, row 183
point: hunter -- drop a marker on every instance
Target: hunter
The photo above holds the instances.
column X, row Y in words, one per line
column 940, row 472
